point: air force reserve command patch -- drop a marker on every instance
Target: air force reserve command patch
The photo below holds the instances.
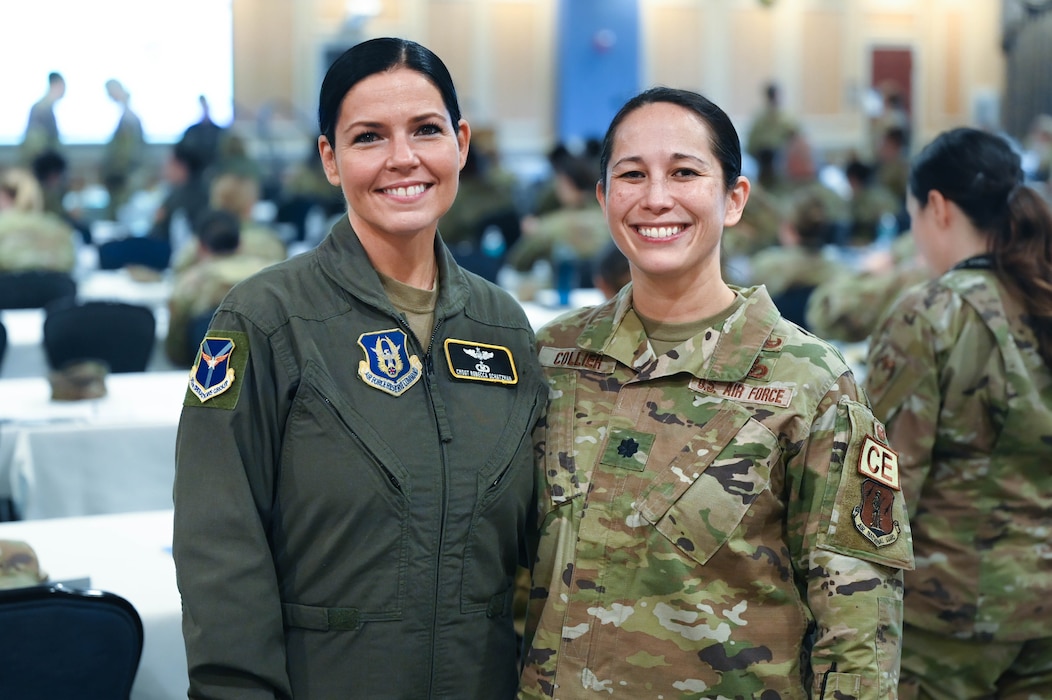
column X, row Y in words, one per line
column 388, row 366
column 480, row 362
column 215, row 379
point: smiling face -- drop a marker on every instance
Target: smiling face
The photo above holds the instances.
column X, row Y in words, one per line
column 396, row 156
column 665, row 200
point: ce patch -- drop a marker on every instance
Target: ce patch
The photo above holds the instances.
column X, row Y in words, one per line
column 480, row 362
column 218, row 371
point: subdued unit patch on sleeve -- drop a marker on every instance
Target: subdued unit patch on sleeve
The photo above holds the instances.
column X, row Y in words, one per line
column 864, row 512
column 216, row 377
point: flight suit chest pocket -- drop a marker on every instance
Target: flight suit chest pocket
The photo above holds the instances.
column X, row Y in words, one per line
column 701, row 497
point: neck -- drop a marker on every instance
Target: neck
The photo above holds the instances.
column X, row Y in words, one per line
column 409, row 259
column 680, row 303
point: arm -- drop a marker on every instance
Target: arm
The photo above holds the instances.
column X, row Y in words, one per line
column 226, row 462
column 850, row 539
column 902, row 381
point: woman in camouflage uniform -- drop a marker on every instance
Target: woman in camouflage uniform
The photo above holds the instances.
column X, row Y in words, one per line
column 959, row 371
column 719, row 514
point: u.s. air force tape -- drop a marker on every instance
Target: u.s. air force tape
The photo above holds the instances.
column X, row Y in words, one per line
column 480, row 362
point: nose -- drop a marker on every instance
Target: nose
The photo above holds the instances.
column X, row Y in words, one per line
column 402, row 155
column 657, row 197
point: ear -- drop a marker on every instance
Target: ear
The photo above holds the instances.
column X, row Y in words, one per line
column 463, row 140
column 736, row 199
column 941, row 211
column 600, row 196
column 328, row 161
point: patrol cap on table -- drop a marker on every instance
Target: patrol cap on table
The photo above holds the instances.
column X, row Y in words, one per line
column 82, row 379
column 19, row 565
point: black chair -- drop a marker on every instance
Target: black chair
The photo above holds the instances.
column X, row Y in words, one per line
column 792, row 303
column 34, row 289
column 60, row 642
column 148, row 252
column 121, row 335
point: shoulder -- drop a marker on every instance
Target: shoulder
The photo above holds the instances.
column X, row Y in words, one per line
column 488, row 303
column 294, row 287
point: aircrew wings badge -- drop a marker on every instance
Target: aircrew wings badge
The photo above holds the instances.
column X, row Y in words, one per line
column 388, row 366
column 212, row 373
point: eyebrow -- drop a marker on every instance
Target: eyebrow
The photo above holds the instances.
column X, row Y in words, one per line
column 673, row 158
column 419, row 119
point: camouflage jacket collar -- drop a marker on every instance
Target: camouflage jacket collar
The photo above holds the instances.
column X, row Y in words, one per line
column 724, row 354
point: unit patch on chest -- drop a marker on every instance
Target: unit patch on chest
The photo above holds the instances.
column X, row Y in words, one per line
column 480, row 362
column 388, row 366
column 780, row 395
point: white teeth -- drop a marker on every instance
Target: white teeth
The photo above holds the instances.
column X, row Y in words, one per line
column 405, row 191
column 658, row 231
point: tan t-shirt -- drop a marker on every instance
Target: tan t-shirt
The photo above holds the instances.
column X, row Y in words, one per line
column 417, row 305
column 665, row 336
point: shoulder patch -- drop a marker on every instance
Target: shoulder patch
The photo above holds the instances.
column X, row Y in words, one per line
column 217, row 373
column 575, row 358
column 864, row 510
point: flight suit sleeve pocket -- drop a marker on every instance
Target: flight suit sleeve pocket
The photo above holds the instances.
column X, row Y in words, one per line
column 702, row 497
column 864, row 512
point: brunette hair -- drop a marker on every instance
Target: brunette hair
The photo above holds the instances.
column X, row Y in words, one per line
column 725, row 142
column 376, row 56
column 982, row 174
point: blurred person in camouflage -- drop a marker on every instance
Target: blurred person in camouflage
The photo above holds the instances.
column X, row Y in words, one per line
column 960, row 372
column 719, row 512
column 218, row 265
column 124, row 153
column 30, row 238
column 847, row 306
column 42, row 128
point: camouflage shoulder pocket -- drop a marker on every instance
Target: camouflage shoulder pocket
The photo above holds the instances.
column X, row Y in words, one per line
column 559, row 451
column 863, row 510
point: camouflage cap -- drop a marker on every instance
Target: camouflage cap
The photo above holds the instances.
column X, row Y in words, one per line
column 83, row 379
column 19, row 565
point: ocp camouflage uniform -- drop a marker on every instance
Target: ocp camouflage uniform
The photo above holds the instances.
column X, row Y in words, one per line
column 705, row 516
column 583, row 229
column 781, row 268
column 35, row 241
column 848, row 306
column 954, row 372
column 198, row 290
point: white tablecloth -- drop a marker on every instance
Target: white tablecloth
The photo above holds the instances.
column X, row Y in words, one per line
column 108, row 455
column 130, row 555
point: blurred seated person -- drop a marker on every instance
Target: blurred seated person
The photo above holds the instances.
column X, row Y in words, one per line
column 31, row 238
column 546, row 199
column 871, row 202
column 893, row 162
column 51, row 171
column 187, row 196
column 757, row 230
column 305, row 191
column 217, row 266
column 847, row 306
column 484, row 195
column 576, row 228
column 800, row 175
column 611, row 271
column 792, row 269
column 238, row 193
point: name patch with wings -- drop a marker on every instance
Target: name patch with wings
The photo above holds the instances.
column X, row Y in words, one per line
column 480, row 362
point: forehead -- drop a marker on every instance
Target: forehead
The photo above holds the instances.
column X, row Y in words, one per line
column 391, row 92
column 662, row 127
